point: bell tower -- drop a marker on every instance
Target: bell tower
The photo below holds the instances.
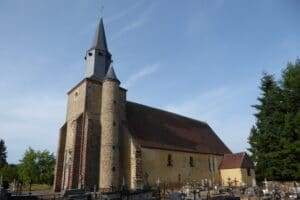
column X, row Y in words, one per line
column 98, row 58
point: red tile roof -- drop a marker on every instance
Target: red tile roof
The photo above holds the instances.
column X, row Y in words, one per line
column 237, row 160
column 156, row 128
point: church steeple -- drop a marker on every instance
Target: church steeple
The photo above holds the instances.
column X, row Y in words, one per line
column 98, row 58
column 100, row 38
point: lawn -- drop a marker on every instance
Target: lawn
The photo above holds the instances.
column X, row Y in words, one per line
column 38, row 187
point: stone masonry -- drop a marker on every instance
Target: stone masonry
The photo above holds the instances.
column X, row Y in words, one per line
column 60, row 159
column 110, row 159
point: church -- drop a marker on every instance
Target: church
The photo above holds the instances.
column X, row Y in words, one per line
column 108, row 142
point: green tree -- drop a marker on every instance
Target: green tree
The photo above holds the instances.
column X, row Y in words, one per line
column 266, row 131
column 37, row 167
column 290, row 140
column 46, row 163
column 3, row 153
column 28, row 168
column 274, row 139
column 9, row 173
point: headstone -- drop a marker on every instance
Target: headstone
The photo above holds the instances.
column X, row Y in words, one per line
column 3, row 194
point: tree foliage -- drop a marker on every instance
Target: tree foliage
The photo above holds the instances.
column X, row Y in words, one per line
column 46, row 163
column 9, row 173
column 3, row 153
column 37, row 167
column 28, row 167
column 275, row 138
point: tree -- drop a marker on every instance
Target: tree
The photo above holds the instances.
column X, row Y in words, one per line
column 290, row 165
column 274, row 139
column 28, row 168
column 46, row 163
column 266, row 131
column 37, row 167
column 9, row 173
column 3, row 153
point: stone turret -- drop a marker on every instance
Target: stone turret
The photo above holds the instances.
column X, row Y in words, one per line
column 110, row 123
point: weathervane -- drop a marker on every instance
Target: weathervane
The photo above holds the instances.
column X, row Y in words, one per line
column 101, row 9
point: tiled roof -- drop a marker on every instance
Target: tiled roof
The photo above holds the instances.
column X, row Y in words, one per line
column 155, row 128
column 238, row 160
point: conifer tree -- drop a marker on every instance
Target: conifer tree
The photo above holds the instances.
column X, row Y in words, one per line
column 274, row 140
column 3, row 153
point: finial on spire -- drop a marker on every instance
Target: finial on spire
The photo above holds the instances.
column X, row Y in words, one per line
column 101, row 9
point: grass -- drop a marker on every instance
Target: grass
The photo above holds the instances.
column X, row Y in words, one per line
column 37, row 187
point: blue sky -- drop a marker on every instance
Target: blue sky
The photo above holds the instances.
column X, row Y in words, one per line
column 200, row 58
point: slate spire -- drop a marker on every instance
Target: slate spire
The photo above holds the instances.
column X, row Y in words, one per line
column 111, row 75
column 98, row 58
column 100, row 38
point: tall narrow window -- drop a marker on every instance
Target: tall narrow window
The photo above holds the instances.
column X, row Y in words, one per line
column 248, row 171
column 209, row 165
column 191, row 161
column 170, row 161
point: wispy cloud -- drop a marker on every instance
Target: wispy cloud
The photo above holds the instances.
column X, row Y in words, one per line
column 138, row 22
column 148, row 70
column 124, row 12
column 203, row 106
column 218, row 107
column 200, row 22
column 111, row 18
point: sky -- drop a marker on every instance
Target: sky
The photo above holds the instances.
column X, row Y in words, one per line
column 199, row 58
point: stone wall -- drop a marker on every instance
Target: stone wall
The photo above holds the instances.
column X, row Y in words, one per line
column 175, row 167
column 74, row 176
column 110, row 129
column 91, row 154
column 131, row 161
column 90, row 157
column 136, row 166
column 74, row 136
column 238, row 177
column 58, row 177
column 75, row 108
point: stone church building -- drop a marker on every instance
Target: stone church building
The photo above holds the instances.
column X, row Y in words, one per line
column 108, row 141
